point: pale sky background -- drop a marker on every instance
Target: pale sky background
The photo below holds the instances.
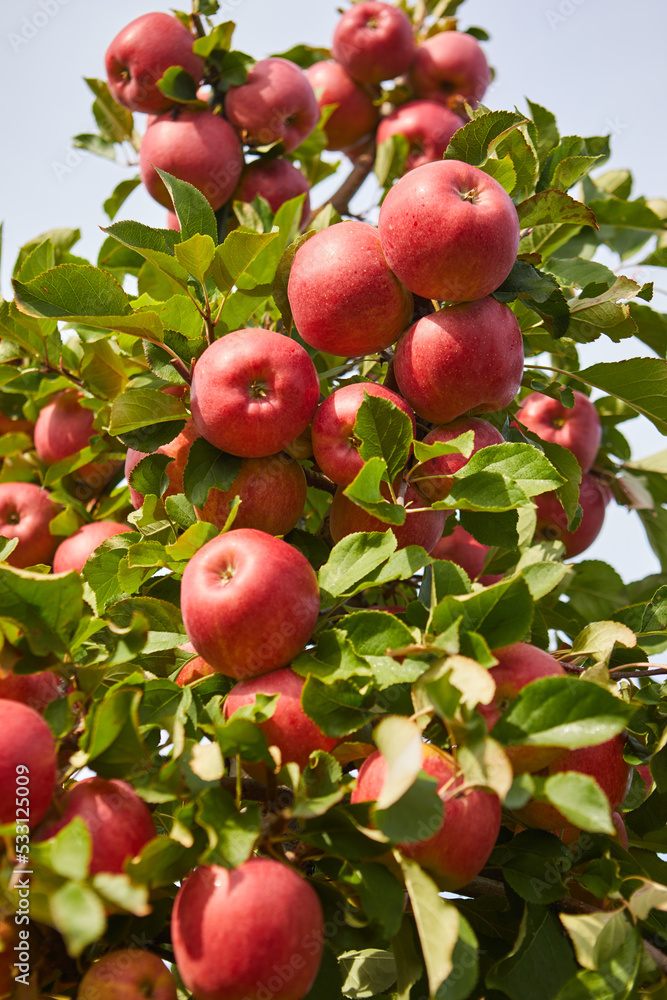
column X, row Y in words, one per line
column 597, row 64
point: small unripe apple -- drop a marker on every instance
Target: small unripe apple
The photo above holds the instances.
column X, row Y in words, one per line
column 118, row 821
column 462, row 359
column 594, row 495
column 355, row 115
column 450, row 63
column 344, row 298
column 196, row 146
column 435, row 477
column 422, row 526
column 428, row 127
column 249, row 602
column 253, row 391
column 449, row 231
column 128, row 974
column 455, row 847
column 373, row 42
column 141, row 54
column 27, row 764
column 26, row 511
column 334, row 446
column 289, row 728
column 272, row 491
column 75, row 550
column 578, row 428
column 275, row 104
column 242, row 933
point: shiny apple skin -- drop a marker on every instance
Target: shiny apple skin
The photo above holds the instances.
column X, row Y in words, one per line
column 423, row 527
column 228, row 942
column 249, row 602
column 253, row 392
column 428, row 127
column 333, row 429
column 195, row 146
column 355, row 115
column 464, row 359
column 449, row 231
column 26, row 511
column 444, row 467
column 275, row 104
column 289, row 728
column 140, row 55
column 374, row 42
column 76, row 550
column 594, row 495
column 26, row 741
column 455, row 847
column 128, row 974
column 450, row 63
column 344, row 298
column 276, row 181
column 63, row 427
column 578, row 429
column 272, row 491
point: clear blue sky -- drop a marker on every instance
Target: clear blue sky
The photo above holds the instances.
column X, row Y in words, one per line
column 597, row 64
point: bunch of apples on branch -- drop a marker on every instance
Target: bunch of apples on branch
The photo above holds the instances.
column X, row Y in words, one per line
column 301, row 691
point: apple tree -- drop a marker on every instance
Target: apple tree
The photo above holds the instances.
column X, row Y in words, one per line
column 304, row 688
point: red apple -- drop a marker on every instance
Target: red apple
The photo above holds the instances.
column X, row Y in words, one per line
column 272, row 491
column 422, row 526
column 249, row 602
column 128, row 974
column 248, row 933
column 36, row 690
column 594, row 495
column 449, row 63
column 463, row 359
column 449, row 231
column 578, row 429
column 141, row 54
column 253, row 392
column 277, row 181
column 63, row 427
column 343, row 296
column 334, row 444
column 604, row 762
column 435, row 477
column 461, row 548
column 196, row 146
column 194, row 669
column 289, row 728
column 172, row 222
column 178, row 449
column 355, row 115
column 373, row 42
column 428, row 127
column 275, row 104
column 27, row 764
column 118, row 821
column 518, row 665
column 26, row 511
column 455, row 847
column 75, row 550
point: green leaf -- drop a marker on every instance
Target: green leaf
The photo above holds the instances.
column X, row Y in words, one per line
column 544, row 130
column 138, row 408
column 78, row 913
column 415, row 816
column 231, row 834
column 195, row 215
column 119, row 195
column 366, row 491
column 502, row 613
column 437, row 923
column 208, row 468
column 320, row 786
column 41, row 259
column 382, row 895
column 179, row 86
column 475, row 141
column 540, row 962
column 462, row 979
column 196, row 255
column 562, row 712
column 384, row 431
column 639, row 382
column 353, row 558
column 580, row 799
column 367, row 973
column 390, row 160
column 533, row 863
column 72, row 290
column 235, row 257
column 399, row 740
column 68, row 853
column 48, row 609
column 338, row 709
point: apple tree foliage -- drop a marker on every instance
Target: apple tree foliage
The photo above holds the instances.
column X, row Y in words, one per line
column 586, row 919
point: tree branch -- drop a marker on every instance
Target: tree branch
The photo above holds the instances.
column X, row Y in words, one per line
column 319, row 481
column 341, row 198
